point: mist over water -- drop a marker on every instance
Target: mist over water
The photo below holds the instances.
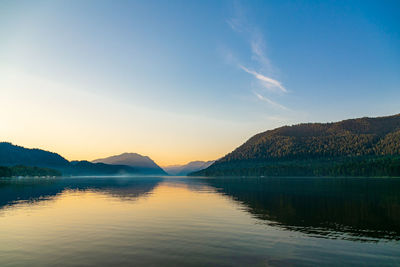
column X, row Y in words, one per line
column 108, row 221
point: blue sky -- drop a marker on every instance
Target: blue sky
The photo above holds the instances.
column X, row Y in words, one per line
column 188, row 80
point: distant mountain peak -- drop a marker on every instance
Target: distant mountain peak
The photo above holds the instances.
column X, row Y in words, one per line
column 135, row 160
column 12, row 155
column 193, row 166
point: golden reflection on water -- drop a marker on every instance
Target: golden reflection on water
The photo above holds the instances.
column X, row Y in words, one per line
column 172, row 223
column 94, row 207
column 86, row 219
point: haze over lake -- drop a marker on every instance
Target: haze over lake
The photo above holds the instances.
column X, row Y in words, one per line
column 169, row 221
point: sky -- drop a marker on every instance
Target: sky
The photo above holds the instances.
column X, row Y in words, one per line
column 189, row 80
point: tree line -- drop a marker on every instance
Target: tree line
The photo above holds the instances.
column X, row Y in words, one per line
column 21, row 170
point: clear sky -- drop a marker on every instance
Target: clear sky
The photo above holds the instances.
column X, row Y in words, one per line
column 189, row 80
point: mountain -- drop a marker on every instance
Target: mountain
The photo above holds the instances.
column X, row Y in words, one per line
column 12, row 155
column 182, row 170
column 354, row 147
column 142, row 164
column 84, row 167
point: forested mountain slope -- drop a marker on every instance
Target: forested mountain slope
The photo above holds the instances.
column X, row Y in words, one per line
column 356, row 147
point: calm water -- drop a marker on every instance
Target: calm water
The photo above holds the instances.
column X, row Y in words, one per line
column 198, row 222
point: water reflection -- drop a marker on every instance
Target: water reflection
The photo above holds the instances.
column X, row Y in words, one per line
column 156, row 221
column 14, row 191
column 353, row 209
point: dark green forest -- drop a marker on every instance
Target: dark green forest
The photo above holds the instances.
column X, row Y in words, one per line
column 20, row 170
column 356, row 147
column 355, row 167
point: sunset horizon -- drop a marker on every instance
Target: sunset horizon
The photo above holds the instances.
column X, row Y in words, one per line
column 179, row 87
column 199, row 133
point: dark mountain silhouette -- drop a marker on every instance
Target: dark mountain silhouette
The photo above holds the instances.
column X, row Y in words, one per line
column 355, row 147
column 193, row 166
column 88, row 168
column 12, row 155
column 142, row 164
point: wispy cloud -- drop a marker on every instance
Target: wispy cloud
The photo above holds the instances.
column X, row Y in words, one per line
column 269, row 101
column 260, row 67
column 258, row 48
column 268, row 82
column 235, row 24
column 237, row 21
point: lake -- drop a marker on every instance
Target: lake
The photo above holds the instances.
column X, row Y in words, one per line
column 171, row 221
